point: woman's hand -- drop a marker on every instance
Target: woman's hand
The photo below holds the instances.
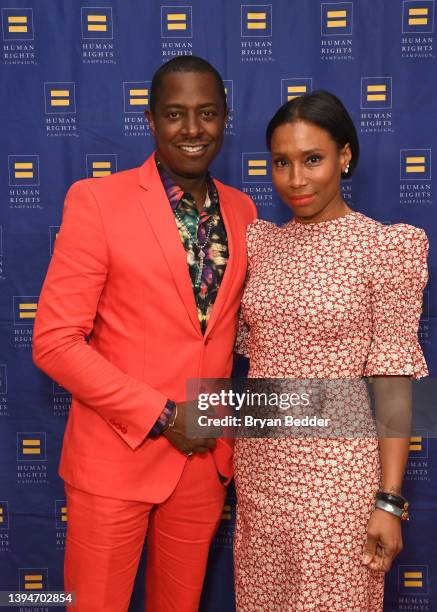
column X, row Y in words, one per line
column 384, row 540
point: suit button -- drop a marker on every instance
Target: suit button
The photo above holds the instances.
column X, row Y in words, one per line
column 207, row 341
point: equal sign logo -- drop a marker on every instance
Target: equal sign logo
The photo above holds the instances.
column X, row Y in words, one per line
column 60, row 98
column 227, row 512
column 337, row 18
column 23, row 170
column 4, row 515
column 17, row 24
column 61, row 514
column 256, row 20
column 293, row 88
column 136, row 96
column 415, row 443
column 97, row 22
column 99, row 165
column 25, row 308
column 413, row 579
column 415, row 164
column 418, row 16
column 33, row 579
column 256, row 168
column 31, row 446
column 176, row 22
column 376, row 92
column 419, row 445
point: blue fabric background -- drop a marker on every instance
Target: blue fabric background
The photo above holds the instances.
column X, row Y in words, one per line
column 98, row 77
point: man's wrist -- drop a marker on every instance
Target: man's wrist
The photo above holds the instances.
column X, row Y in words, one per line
column 164, row 419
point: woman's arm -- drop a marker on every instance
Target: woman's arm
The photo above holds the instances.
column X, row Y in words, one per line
column 393, row 416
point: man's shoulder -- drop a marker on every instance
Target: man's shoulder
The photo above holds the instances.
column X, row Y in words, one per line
column 110, row 184
column 238, row 197
column 228, row 190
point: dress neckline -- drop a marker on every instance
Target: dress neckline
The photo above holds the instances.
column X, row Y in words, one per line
column 323, row 224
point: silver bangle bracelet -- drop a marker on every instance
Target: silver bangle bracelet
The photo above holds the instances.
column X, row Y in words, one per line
column 382, row 505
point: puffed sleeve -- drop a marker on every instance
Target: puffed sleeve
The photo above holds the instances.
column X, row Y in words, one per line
column 398, row 277
column 254, row 234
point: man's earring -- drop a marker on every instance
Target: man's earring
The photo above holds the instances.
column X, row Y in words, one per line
column 346, row 170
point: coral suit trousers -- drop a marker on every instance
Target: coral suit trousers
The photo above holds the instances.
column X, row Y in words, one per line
column 105, row 537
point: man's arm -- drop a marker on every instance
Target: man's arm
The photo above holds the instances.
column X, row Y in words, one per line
column 65, row 319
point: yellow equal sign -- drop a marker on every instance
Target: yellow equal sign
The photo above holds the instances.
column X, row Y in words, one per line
column 294, row 91
column 256, row 21
column 23, row 169
column 2, row 518
column 17, row 23
column 226, row 514
column 32, row 582
column 59, row 97
column 139, row 97
column 101, row 168
column 64, row 516
column 31, row 447
column 176, row 21
column 418, row 16
column 415, row 164
column 257, row 167
column 337, row 19
column 27, row 311
column 416, row 443
column 97, row 23
column 376, row 93
column 413, row 579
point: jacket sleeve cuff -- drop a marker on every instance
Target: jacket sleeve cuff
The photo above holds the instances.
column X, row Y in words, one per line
column 163, row 420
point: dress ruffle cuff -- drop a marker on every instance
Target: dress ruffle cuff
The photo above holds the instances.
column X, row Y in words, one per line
column 395, row 359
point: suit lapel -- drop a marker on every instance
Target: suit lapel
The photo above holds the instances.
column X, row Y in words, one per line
column 228, row 214
column 160, row 216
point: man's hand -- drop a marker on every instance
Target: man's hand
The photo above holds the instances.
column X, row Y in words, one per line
column 176, row 435
column 384, row 540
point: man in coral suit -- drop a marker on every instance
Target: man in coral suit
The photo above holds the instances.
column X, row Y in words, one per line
column 141, row 295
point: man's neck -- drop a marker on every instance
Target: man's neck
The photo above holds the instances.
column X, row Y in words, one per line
column 197, row 187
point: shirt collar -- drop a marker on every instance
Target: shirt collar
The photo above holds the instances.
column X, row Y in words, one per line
column 175, row 193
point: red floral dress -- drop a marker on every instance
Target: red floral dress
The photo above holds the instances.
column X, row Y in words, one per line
column 336, row 299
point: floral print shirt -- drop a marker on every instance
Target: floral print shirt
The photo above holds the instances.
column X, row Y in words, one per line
column 209, row 233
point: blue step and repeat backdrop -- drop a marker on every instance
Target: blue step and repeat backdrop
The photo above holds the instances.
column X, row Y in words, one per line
column 74, row 82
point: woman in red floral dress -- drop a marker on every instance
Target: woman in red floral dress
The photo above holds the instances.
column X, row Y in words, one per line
column 331, row 295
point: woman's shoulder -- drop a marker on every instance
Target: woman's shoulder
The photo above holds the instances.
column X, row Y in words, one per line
column 397, row 235
column 398, row 252
column 259, row 233
column 259, row 226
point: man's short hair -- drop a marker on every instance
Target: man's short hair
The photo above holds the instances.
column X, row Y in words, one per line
column 184, row 63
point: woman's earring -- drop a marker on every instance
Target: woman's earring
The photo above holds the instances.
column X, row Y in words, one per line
column 346, row 170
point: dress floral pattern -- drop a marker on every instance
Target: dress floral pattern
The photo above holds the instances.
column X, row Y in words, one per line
column 336, row 299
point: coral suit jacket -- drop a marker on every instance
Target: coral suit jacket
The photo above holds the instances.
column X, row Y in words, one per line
column 117, row 326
